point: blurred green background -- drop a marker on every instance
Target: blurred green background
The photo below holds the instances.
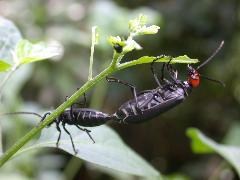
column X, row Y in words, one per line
column 188, row 27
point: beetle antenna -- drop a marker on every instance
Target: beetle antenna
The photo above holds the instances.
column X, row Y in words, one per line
column 21, row 112
column 214, row 54
column 213, row 80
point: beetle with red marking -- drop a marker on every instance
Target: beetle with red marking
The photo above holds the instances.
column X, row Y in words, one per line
column 151, row 103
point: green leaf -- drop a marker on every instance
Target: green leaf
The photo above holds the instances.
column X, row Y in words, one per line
column 131, row 45
column 138, row 26
column 232, row 137
column 184, row 59
column 149, row 59
column 202, row 144
column 9, row 37
column 198, row 143
column 113, row 40
column 137, row 23
column 109, row 150
column 149, row 30
column 27, row 52
column 4, row 66
column 127, row 45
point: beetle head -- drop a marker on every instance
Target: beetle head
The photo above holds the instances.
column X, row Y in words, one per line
column 193, row 76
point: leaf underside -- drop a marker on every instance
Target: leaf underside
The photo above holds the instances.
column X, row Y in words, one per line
column 109, row 150
column 202, row 144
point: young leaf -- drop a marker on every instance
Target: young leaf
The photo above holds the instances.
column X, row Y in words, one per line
column 137, row 23
column 4, row 66
column 202, row 144
column 184, row 59
column 27, row 52
column 149, row 30
column 131, row 45
column 138, row 26
column 108, row 150
column 116, row 41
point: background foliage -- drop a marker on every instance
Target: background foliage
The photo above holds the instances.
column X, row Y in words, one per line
column 187, row 27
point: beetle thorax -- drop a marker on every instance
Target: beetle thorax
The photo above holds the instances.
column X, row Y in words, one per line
column 193, row 77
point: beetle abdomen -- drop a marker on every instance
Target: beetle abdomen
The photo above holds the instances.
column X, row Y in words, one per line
column 86, row 117
column 151, row 104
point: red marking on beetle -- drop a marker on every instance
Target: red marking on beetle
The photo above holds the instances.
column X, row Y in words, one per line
column 194, row 79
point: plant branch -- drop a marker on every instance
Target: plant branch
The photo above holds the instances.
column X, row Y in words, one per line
column 89, row 84
column 113, row 67
column 11, row 151
column 92, row 52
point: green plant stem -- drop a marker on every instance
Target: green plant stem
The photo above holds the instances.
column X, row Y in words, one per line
column 114, row 66
column 11, row 151
column 92, row 52
column 75, row 164
column 149, row 59
column 90, row 83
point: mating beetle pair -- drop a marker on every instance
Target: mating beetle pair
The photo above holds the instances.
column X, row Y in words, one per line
column 151, row 103
column 144, row 106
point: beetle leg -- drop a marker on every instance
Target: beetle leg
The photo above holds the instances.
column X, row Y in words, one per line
column 133, row 88
column 168, row 64
column 183, row 87
column 80, row 103
column 71, row 112
column 44, row 117
column 124, row 122
column 172, row 71
column 59, row 136
column 87, row 131
column 85, row 99
column 71, row 107
column 84, row 103
column 153, row 71
column 162, row 72
column 74, row 149
column 174, row 75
